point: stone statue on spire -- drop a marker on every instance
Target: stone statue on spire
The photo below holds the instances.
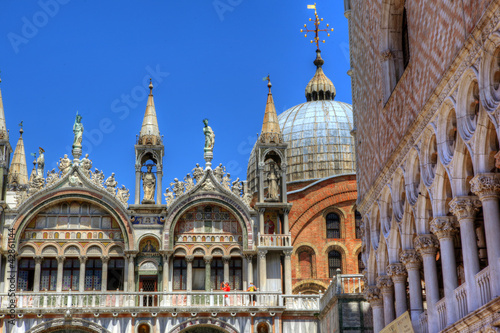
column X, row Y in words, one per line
column 78, row 132
column 40, row 163
column 209, row 136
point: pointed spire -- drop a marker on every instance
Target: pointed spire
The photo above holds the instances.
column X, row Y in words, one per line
column 150, row 133
column 18, row 172
column 320, row 88
column 271, row 132
column 3, row 127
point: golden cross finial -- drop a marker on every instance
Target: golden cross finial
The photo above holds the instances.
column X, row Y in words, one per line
column 268, row 79
column 316, row 29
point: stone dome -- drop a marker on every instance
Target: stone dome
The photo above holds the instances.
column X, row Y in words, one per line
column 319, row 141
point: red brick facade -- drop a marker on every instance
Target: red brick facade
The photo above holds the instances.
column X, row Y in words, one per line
column 437, row 31
column 311, row 203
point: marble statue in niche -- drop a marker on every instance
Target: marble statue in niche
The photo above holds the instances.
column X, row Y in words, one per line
column 148, row 185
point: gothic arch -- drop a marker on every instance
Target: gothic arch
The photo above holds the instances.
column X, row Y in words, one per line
column 72, row 322
column 204, row 322
column 309, row 286
column 312, row 257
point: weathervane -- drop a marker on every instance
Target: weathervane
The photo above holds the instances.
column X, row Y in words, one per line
column 316, row 30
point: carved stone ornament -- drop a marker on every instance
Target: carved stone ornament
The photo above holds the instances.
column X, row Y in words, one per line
column 74, row 180
column 411, row 259
column 189, row 183
column 197, row 172
column 169, row 197
column 384, row 283
column 189, row 259
column 97, row 177
column 208, row 185
column 262, row 254
column 386, row 55
column 485, row 185
column 52, row 177
column 426, row 244
column 397, row 272
column 123, row 194
column 465, row 207
column 444, row 226
column 372, row 295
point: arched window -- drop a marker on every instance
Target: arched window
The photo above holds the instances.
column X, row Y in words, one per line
column 357, row 224
column 93, row 274
column 305, row 265
column 26, row 274
column 361, row 264
column 71, row 274
column 334, row 263
column 405, row 40
column 332, row 226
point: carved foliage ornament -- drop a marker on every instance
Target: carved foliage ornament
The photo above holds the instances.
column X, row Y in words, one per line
column 372, row 295
column 427, row 244
column 444, row 227
column 465, row 207
column 411, row 259
column 486, row 185
column 384, row 283
column 396, row 270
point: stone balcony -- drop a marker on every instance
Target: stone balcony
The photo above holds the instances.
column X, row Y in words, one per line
column 274, row 241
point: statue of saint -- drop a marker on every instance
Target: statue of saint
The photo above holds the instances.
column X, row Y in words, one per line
column 64, row 164
column 78, row 131
column 198, row 173
column 219, row 172
column 111, row 184
column 236, row 189
column 273, row 192
column 226, row 180
column 209, row 136
column 148, row 185
column 40, row 163
column 86, row 164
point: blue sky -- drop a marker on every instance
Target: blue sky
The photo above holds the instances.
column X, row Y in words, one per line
column 206, row 58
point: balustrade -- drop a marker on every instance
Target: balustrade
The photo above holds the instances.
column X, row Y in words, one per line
column 461, row 296
column 441, row 310
column 424, row 328
column 483, row 282
column 275, row 240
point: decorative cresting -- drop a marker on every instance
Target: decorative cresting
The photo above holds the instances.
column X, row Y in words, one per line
column 426, row 244
column 465, row 207
column 75, row 175
column 486, row 185
column 411, row 259
column 444, row 226
column 150, row 133
column 397, row 272
column 271, row 132
column 372, row 295
column 208, row 180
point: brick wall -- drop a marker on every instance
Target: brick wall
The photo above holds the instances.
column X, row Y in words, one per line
column 308, row 228
column 437, row 31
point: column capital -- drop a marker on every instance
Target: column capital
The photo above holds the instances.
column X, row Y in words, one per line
column 411, row 259
column 60, row 259
column 248, row 256
column 208, row 259
column 262, row 254
column 83, row 259
column 426, row 244
column 262, row 210
column 444, row 227
column 189, row 259
column 372, row 295
column 226, row 259
column 288, row 253
column 486, row 185
column 105, row 259
column 465, row 207
column 38, row 259
column 130, row 256
column 385, row 284
column 397, row 272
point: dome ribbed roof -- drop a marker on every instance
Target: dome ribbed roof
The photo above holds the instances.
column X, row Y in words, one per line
column 319, row 141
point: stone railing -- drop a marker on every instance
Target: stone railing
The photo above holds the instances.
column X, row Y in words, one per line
column 483, row 283
column 342, row 284
column 274, row 240
column 302, row 302
column 111, row 301
column 461, row 296
column 441, row 311
column 422, row 320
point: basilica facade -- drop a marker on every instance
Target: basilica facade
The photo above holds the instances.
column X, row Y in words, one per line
column 81, row 254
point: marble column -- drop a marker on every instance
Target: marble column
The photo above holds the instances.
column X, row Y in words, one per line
column 261, row 222
column 445, row 228
column 208, row 263
column 284, row 197
column 487, row 188
column 159, row 174
column 131, row 272
column 165, row 271
column 250, row 267
column 384, row 283
column 137, row 185
column 427, row 245
column 104, row 283
column 465, row 209
column 38, row 271
column 81, row 286
column 399, row 276
column 189, row 278
column 262, row 270
column 60, row 268
column 260, row 172
column 412, row 261
column 288, row 272
column 225, row 260
column 372, row 295
column 286, row 222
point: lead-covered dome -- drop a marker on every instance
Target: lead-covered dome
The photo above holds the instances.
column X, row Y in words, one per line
column 318, row 134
